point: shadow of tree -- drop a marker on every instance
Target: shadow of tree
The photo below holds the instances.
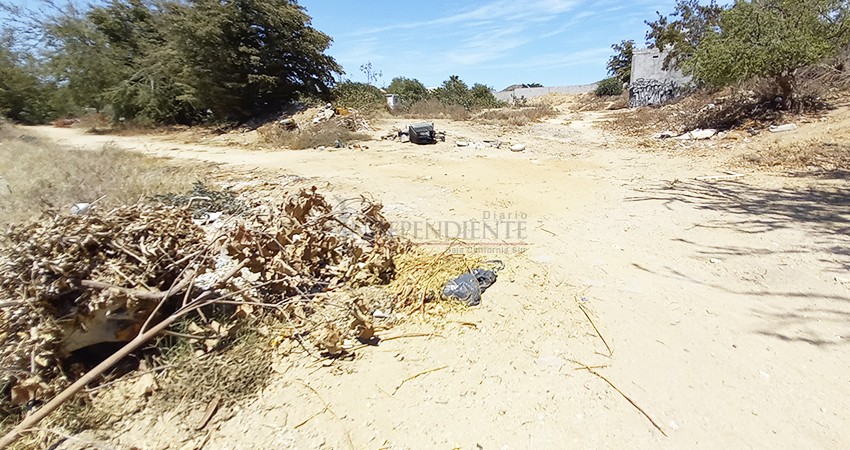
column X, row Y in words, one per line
column 824, row 210
column 821, row 210
column 798, row 326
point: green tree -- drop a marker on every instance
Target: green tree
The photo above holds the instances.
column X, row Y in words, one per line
column 481, row 96
column 620, row 64
column 410, row 91
column 166, row 61
column 81, row 59
column 681, row 32
column 360, row 96
column 454, row 91
column 250, row 57
column 23, row 96
column 609, row 87
column 772, row 38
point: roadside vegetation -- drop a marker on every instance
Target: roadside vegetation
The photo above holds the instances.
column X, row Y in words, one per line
column 40, row 177
column 753, row 62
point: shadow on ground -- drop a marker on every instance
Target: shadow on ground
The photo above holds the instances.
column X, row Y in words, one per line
column 821, row 210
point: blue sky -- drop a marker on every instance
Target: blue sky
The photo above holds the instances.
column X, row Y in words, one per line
column 495, row 42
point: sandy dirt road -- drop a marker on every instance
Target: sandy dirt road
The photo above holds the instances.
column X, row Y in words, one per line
column 726, row 305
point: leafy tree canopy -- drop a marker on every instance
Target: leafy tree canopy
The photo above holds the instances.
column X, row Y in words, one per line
column 184, row 61
column 409, row 90
column 772, row 38
column 681, row 32
column 620, row 64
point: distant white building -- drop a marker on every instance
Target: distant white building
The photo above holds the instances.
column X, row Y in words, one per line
column 393, row 100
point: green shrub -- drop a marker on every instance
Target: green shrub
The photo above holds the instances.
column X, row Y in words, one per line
column 609, row 87
column 410, row 91
column 361, row 96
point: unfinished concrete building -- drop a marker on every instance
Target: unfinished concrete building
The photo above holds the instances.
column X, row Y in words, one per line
column 650, row 83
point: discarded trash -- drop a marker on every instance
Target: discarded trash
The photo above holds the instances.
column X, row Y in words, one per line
column 664, row 135
column 783, row 128
column 698, row 135
column 462, row 144
column 289, row 124
column 469, row 286
column 208, row 218
column 324, row 114
column 422, row 133
column 517, row 148
column 80, row 209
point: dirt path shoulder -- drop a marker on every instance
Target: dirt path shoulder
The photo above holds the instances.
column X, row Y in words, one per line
column 726, row 305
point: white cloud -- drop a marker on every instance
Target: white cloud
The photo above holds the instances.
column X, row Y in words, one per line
column 488, row 13
column 495, row 40
column 555, row 60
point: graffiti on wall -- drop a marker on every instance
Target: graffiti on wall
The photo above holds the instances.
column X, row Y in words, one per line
column 644, row 92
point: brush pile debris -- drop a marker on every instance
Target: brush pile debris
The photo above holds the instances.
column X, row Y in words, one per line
column 70, row 282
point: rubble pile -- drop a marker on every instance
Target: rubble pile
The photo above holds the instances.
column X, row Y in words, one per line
column 311, row 119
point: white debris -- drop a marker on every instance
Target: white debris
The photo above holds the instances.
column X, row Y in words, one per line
column 80, row 208
column 783, row 128
column 664, row 135
column 698, row 135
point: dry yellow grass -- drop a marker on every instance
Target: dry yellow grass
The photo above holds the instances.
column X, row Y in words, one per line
column 420, row 276
column 517, row 116
column 434, row 109
column 42, row 176
column 817, row 154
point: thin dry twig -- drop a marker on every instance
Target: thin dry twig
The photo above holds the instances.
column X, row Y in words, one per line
column 586, row 314
column 141, row 295
column 209, row 413
column 327, row 406
column 142, row 338
column 417, row 376
column 629, row 399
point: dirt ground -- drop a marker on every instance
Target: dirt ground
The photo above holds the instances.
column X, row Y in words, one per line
column 725, row 303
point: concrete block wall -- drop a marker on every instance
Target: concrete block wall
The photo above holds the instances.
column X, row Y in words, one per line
column 648, row 64
column 530, row 93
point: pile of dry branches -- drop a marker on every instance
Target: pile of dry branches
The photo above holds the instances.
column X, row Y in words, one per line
column 127, row 274
column 51, row 303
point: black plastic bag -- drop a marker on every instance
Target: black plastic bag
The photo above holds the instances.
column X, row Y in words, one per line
column 469, row 286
